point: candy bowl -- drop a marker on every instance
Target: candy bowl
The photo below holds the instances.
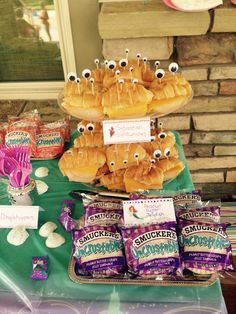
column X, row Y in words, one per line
column 22, row 195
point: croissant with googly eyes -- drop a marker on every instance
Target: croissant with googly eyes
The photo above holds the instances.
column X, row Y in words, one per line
column 121, row 156
column 83, row 98
column 170, row 91
column 114, row 180
column 171, row 167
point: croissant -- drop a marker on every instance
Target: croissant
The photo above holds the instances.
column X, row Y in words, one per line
column 171, row 167
column 126, row 100
column 114, row 180
column 121, row 156
column 143, row 176
column 83, row 100
column 170, row 93
column 89, row 140
column 81, row 164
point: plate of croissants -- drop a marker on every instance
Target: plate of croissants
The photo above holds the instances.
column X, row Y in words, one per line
column 125, row 89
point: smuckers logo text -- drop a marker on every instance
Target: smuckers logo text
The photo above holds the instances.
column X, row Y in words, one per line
column 100, row 234
column 111, row 217
column 186, row 197
column 152, row 235
column 105, row 205
column 48, row 139
column 199, row 215
column 188, row 230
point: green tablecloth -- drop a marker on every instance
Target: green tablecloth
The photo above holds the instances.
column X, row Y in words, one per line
column 16, row 264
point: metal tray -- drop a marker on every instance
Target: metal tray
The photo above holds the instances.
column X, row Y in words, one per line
column 190, row 281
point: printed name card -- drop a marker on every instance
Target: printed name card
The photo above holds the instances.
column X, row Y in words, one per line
column 149, row 211
column 12, row 216
column 126, row 131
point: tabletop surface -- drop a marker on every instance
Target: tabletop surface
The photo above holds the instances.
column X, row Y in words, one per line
column 15, row 264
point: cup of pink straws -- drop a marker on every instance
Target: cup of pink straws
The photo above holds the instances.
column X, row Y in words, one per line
column 15, row 164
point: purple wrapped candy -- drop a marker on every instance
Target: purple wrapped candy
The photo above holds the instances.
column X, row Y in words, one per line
column 98, row 251
column 65, row 219
column 152, row 251
column 204, row 247
column 40, row 268
column 204, row 214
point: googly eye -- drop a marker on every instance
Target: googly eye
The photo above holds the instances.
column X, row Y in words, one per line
column 86, row 73
column 90, row 127
column 167, row 152
column 117, row 72
column 125, row 162
column 162, row 135
column 112, row 163
column 157, row 153
column 105, row 63
column 81, row 128
column 144, row 59
column 78, row 80
column 126, row 50
column 123, row 63
column 152, row 161
column 153, row 138
column 173, row 67
column 121, row 81
column 91, row 80
column 135, row 81
column 111, row 65
column 160, row 73
column 157, row 63
column 96, row 61
column 72, row 76
column 136, row 155
column 131, row 69
column 138, row 55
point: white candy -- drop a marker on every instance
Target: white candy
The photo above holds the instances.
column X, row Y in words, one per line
column 54, row 240
column 41, row 172
column 41, row 186
column 47, row 229
column 17, row 235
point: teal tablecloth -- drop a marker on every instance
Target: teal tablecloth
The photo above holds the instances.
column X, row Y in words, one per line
column 15, row 263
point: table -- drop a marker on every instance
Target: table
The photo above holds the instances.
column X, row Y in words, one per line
column 60, row 295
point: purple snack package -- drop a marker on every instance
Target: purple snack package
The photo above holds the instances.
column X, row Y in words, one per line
column 102, row 211
column 204, row 247
column 98, row 250
column 152, row 251
column 40, row 268
column 203, row 214
column 65, row 219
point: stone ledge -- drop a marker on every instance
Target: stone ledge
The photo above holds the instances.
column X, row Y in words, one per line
column 225, row 18
column 132, row 20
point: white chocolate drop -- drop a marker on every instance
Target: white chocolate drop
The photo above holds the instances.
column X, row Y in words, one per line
column 17, row 235
column 47, row 228
column 41, row 172
column 54, row 240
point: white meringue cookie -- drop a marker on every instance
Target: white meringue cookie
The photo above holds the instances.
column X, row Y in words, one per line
column 54, row 240
column 47, row 228
column 41, row 172
column 17, row 235
column 41, row 186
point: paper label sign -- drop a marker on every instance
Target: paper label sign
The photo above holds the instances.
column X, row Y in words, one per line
column 149, row 211
column 12, row 216
column 126, row 131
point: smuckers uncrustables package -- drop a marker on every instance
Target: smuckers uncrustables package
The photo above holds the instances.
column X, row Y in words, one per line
column 204, row 214
column 98, row 251
column 204, row 247
column 101, row 210
column 152, row 251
